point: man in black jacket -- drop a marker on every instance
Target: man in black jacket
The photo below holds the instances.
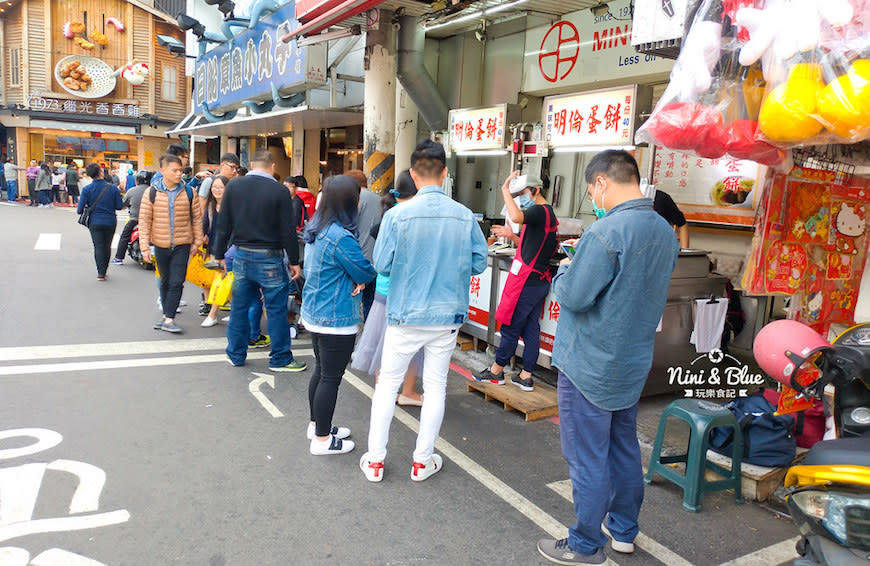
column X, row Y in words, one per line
column 257, row 216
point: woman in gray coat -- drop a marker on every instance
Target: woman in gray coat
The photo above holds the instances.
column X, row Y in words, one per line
column 43, row 185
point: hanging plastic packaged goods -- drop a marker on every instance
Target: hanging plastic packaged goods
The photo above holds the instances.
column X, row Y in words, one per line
column 756, row 78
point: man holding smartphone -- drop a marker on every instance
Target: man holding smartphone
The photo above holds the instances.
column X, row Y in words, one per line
column 528, row 281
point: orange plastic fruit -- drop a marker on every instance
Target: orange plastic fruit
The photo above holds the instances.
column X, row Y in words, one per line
column 787, row 111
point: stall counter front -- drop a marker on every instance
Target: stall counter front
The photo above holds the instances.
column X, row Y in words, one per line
column 690, row 280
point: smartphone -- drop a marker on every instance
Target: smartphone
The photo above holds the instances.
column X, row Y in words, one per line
column 568, row 250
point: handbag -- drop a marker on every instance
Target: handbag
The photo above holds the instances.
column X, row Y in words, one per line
column 767, row 438
column 198, row 273
column 85, row 216
column 221, row 289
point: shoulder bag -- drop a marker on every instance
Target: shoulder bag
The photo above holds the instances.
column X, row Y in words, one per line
column 85, row 216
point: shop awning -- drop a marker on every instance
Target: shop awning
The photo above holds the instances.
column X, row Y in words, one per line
column 190, row 121
column 345, row 10
column 280, row 121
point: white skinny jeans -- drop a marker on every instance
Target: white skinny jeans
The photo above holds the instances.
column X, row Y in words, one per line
column 401, row 343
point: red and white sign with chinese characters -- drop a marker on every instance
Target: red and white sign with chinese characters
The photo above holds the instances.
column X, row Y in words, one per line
column 709, row 190
column 477, row 129
column 599, row 118
column 549, row 322
column 478, row 298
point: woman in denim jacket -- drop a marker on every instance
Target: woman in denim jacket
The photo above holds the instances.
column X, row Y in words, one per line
column 335, row 273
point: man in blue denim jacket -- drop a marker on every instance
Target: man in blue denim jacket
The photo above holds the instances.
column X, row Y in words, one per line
column 611, row 297
column 430, row 247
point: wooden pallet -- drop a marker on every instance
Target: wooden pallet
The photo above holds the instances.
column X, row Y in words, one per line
column 538, row 404
column 759, row 482
column 465, row 342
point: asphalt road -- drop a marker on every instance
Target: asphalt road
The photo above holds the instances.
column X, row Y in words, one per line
column 143, row 448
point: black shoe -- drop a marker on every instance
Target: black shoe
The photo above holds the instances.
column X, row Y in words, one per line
column 204, row 309
column 524, row 384
column 487, row 376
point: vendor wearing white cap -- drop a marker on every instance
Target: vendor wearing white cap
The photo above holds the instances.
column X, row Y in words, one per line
column 528, row 282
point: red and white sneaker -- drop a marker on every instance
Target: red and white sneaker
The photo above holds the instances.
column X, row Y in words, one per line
column 420, row 472
column 374, row 471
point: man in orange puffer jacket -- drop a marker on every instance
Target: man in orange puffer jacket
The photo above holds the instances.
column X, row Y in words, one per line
column 170, row 219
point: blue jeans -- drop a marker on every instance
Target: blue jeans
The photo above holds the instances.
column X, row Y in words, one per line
column 603, row 457
column 525, row 323
column 257, row 272
column 255, row 313
column 11, row 191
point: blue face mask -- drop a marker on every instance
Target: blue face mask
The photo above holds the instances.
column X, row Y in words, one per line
column 524, row 201
column 598, row 212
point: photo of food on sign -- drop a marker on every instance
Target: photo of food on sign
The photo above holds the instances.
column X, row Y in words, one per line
column 709, row 190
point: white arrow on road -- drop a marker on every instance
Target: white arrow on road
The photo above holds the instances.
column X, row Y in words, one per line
column 254, row 388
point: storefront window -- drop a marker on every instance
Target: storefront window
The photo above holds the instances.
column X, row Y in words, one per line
column 170, row 82
column 15, row 67
column 111, row 152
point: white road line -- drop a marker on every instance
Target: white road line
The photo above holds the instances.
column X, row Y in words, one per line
column 48, row 242
column 650, row 546
column 140, row 347
column 115, row 239
column 7, row 204
column 509, row 495
column 132, row 363
column 63, row 524
column 774, row 554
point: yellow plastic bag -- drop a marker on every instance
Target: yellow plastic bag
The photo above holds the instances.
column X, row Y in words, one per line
column 198, row 273
column 221, row 289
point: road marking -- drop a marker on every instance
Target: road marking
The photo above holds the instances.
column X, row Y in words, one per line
column 774, row 554
column 58, row 557
column 45, row 439
column 643, row 542
column 63, row 524
column 131, row 363
column 68, row 351
column 47, row 241
column 7, row 204
column 91, row 482
column 509, row 495
column 20, row 488
column 115, row 240
column 254, row 388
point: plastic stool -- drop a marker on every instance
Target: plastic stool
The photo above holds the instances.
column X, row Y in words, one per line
column 702, row 417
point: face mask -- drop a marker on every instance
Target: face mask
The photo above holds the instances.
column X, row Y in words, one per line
column 599, row 212
column 524, row 201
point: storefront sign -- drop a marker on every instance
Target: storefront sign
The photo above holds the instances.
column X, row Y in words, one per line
column 709, row 190
column 599, row 118
column 39, row 103
column 583, row 49
column 478, row 298
column 477, row 129
column 258, row 58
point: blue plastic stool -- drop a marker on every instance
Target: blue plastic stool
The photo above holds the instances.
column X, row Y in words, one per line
column 702, row 417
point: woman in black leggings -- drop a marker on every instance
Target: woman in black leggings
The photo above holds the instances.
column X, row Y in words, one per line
column 336, row 272
column 103, row 199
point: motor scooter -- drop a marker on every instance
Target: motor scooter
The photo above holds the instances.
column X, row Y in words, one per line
column 135, row 251
column 828, row 494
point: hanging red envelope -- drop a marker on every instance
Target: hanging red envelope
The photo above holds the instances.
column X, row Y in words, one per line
column 840, row 266
column 786, row 266
column 843, row 296
column 808, row 212
column 815, row 305
column 848, row 224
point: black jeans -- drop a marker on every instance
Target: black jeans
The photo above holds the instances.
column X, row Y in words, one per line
column 172, row 263
column 332, row 353
column 124, row 239
column 525, row 323
column 31, row 191
column 101, row 235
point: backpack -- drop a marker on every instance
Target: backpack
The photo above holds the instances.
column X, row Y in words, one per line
column 152, row 194
column 809, row 425
column 767, row 438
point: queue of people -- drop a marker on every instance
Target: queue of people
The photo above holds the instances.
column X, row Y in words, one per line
column 424, row 248
column 49, row 185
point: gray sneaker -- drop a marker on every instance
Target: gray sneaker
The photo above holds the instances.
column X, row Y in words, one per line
column 170, row 327
column 295, row 366
column 559, row 552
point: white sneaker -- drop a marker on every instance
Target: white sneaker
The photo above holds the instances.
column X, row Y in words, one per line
column 420, row 472
column 208, row 322
column 339, row 432
column 374, row 471
column 617, row 545
column 226, row 319
column 182, row 303
column 331, row 445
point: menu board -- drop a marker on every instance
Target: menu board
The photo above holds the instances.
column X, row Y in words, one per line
column 93, row 144
column 720, row 191
column 121, row 146
column 66, row 142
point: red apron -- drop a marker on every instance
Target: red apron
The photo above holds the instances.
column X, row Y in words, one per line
column 519, row 274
